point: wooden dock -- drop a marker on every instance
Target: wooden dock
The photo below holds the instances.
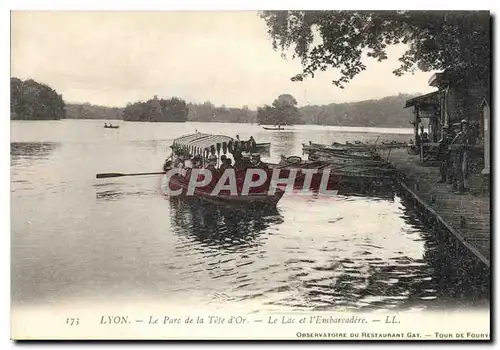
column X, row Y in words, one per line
column 466, row 216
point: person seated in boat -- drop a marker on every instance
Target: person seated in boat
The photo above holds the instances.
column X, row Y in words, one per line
column 188, row 162
column 243, row 163
column 105, row 125
column 197, row 162
column 222, row 161
column 225, row 164
column 237, row 155
column 212, row 163
column 252, row 144
column 167, row 165
column 177, row 160
column 228, row 163
column 257, row 163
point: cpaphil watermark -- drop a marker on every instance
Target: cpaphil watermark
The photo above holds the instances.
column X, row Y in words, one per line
column 304, row 182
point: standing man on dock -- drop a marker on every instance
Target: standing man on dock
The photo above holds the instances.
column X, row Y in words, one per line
column 444, row 155
column 460, row 157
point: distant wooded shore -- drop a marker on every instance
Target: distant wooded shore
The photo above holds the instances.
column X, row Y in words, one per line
column 31, row 100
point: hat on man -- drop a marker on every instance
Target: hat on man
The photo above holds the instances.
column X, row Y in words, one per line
column 464, row 121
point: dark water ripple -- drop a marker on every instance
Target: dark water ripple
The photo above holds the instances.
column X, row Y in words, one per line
column 76, row 236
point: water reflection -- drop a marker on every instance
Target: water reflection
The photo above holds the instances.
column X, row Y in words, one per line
column 113, row 191
column 31, row 150
column 458, row 276
column 352, row 252
column 220, row 227
column 109, row 195
column 376, row 190
column 362, row 282
column 283, row 142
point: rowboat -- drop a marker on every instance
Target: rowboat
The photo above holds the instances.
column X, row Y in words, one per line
column 340, row 178
column 267, row 128
column 313, row 147
column 204, row 145
column 255, row 200
column 357, row 146
column 331, row 179
column 344, row 171
column 111, row 127
column 345, row 161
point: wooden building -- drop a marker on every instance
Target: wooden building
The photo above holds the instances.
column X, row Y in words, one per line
column 459, row 95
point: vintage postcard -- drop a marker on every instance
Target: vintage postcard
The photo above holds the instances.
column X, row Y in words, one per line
column 297, row 175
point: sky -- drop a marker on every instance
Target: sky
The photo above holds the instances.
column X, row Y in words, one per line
column 112, row 58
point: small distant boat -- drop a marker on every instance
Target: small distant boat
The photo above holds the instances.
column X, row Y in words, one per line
column 279, row 128
column 111, row 126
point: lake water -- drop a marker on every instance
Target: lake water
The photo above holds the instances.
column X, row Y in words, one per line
column 75, row 237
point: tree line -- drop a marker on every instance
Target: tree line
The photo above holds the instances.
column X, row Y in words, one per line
column 387, row 111
column 208, row 112
column 157, row 110
column 30, row 100
column 89, row 111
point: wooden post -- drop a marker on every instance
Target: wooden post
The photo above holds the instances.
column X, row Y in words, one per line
column 486, row 121
column 416, row 111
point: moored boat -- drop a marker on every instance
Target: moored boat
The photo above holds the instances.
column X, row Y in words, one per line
column 354, row 147
column 345, row 160
column 341, row 170
column 340, row 177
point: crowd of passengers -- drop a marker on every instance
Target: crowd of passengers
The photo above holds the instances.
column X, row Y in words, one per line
column 242, row 162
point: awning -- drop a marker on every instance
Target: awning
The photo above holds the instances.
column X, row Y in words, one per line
column 427, row 100
column 200, row 140
column 186, row 139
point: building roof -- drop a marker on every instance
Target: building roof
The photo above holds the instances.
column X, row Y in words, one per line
column 427, row 100
column 436, row 79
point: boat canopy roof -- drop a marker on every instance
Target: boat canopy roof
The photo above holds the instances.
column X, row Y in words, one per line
column 202, row 142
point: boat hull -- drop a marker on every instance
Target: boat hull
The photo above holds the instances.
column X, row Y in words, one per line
column 256, row 198
column 335, row 177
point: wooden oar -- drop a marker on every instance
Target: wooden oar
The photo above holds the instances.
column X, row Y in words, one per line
column 106, row 175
